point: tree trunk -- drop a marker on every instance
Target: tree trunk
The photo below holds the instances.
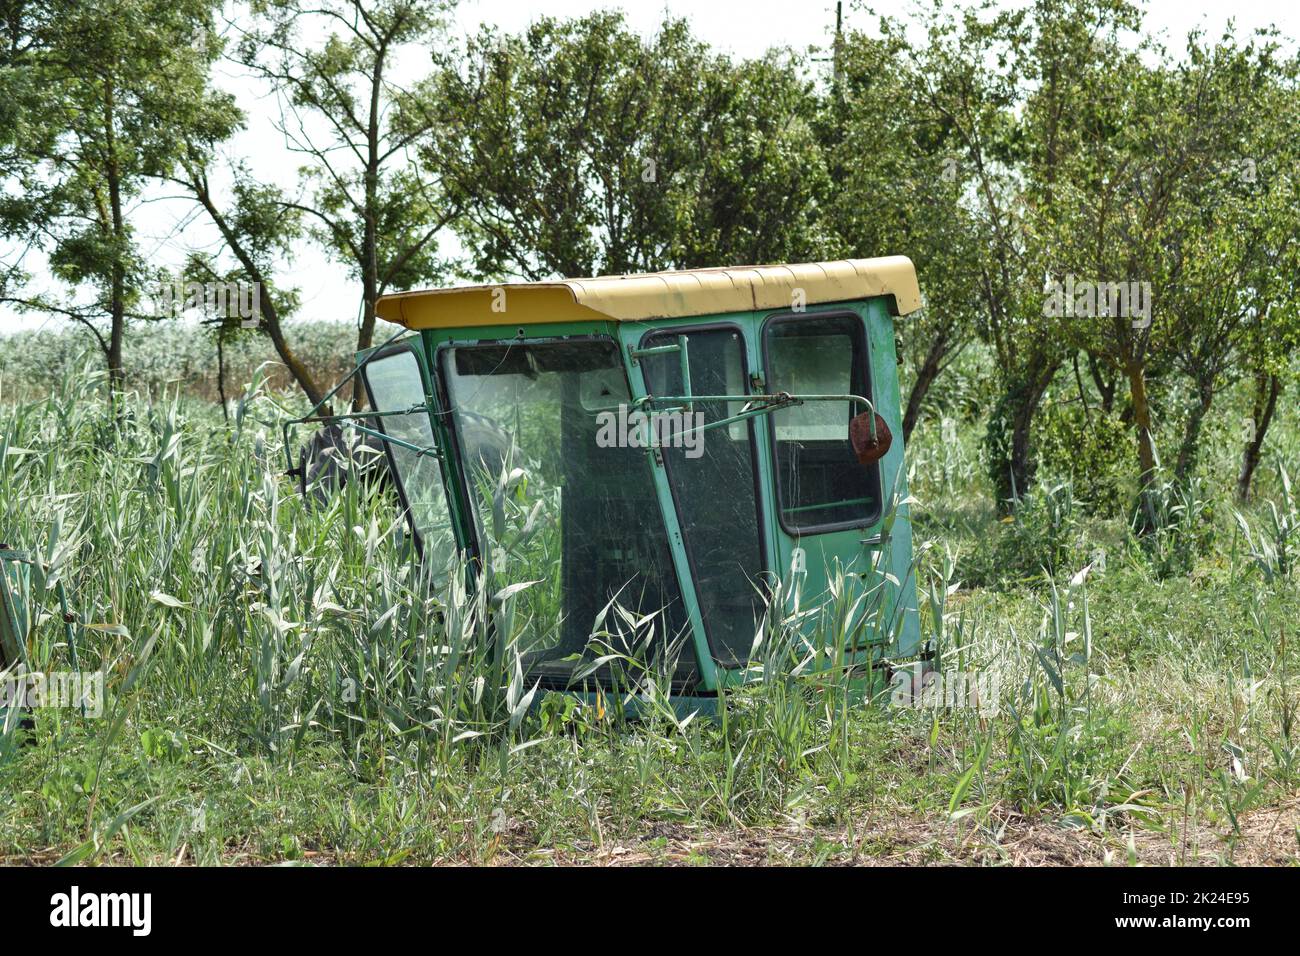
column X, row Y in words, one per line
column 1021, row 470
column 925, row 377
column 301, row 374
column 197, row 183
column 1142, row 422
column 1267, row 390
column 366, row 333
column 1145, row 444
column 1192, row 433
column 116, row 368
column 117, row 292
column 1104, row 388
column 221, row 376
column 370, row 226
column 1010, row 430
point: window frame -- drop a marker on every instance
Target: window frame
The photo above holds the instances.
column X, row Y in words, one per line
column 688, row 681
column 862, row 344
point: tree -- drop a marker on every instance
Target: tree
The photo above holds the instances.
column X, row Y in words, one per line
column 900, row 189
column 1272, row 278
column 1160, row 206
column 369, row 202
column 1007, row 145
column 101, row 94
column 579, row 148
column 258, row 228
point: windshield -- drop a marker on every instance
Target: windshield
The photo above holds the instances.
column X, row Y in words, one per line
column 560, row 502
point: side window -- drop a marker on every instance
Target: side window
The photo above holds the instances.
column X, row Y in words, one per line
column 820, row 484
column 394, row 382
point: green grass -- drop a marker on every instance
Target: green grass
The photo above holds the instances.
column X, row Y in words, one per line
column 284, row 684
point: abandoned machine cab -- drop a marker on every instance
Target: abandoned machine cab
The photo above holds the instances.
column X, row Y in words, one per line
column 697, row 448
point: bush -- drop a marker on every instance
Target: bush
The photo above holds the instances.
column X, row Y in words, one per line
column 1043, row 535
column 1090, row 449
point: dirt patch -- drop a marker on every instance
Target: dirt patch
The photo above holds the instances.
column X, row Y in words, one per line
column 1006, row 838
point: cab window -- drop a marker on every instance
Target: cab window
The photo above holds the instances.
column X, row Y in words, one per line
column 394, row 382
column 820, row 484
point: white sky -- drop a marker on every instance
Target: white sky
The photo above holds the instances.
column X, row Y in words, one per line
column 167, row 227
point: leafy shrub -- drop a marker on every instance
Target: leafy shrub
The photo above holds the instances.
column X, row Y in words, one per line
column 1180, row 525
column 1089, row 448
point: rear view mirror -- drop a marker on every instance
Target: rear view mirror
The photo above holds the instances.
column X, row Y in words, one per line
column 869, row 447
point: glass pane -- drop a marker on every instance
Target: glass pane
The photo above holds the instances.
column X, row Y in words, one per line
column 395, row 383
column 557, row 504
column 713, row 479
column 820, row 482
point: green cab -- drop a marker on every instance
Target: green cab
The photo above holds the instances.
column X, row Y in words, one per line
column 677, row 452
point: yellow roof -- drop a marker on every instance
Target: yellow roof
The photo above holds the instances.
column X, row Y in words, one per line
column 657, row 295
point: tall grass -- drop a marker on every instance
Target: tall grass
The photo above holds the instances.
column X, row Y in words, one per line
column 294, row 683
column 164, row 354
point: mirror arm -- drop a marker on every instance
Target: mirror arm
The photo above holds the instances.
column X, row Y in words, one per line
column 311, row 416
column 771, row 403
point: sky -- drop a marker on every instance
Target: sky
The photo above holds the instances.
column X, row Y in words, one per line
column 167, row 226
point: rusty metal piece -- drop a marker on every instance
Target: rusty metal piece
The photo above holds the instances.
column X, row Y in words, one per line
column 868, row 449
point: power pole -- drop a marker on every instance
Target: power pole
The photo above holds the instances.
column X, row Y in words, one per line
column 837, row 53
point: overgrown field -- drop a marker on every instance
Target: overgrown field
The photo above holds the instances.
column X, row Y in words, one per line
column 167, row 353
column 285, row 685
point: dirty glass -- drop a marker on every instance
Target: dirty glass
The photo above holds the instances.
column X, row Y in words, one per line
column 394, row 383
column 713, row 478
column 564, row 499
column 820, row 484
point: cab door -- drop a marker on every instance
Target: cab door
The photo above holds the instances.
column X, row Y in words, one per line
column 398, row 383
column 834, row 518
column 709, row 464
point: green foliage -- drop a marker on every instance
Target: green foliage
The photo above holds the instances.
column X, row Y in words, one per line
column 287, row 684
column 580, row 148
column 1041, row 537
column 1090, row 449
column 1183, row 527
column 1273, row 543
column 108, row 95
